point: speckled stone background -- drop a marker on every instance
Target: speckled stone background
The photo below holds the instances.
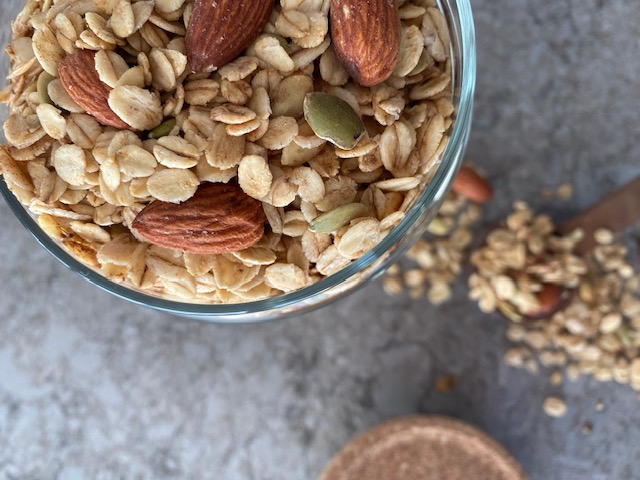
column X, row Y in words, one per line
column 94, row 388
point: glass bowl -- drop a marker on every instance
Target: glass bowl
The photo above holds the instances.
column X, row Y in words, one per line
column 361, row 271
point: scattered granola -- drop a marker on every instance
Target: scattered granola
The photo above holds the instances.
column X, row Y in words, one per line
column 565, row 191
column 556, row 377
column 597, row 332
column 554, row 407
column 435, row 262
column 579, row 315
column 525, row 268
column 120, row 104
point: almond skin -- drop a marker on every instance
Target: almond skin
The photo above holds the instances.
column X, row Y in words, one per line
column 80, row 79
column 551, row 299
column 219, row 31
column 366, row 38
column 471, row 185
column 218, row 219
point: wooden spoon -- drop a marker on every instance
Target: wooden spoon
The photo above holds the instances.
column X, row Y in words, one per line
column 616, row 212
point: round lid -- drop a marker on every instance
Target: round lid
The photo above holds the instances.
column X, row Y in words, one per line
column 423, row 447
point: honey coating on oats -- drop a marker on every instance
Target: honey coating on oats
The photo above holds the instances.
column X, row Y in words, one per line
column 108, row 117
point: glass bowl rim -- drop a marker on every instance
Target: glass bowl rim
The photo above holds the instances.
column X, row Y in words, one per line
column 211, row 312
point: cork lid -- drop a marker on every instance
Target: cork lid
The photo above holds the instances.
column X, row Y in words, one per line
column 423, row 447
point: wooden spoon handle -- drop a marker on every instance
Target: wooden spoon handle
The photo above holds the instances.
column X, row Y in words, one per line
column 617, row 212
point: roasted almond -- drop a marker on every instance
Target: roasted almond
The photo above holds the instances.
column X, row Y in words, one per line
column 218, row 219
column 221, row 30
column 550, row 299
column 366, row 38
column 80, row 79
column 471, row 185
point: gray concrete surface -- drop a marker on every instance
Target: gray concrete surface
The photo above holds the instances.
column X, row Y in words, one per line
column 94, row 388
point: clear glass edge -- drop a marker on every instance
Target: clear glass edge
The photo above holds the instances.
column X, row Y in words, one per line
column 237, row 313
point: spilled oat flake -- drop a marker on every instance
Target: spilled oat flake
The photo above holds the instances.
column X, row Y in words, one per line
column 596, row 334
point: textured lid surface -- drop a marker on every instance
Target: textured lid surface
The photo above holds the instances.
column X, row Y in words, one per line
column 423, row 447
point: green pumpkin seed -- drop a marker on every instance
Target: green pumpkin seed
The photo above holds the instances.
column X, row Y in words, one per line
column 163, row 129
column 283, row 43
column 509, row 311
column 333, row 119
column 625, row 337
column 338, row 217
column 42, row 87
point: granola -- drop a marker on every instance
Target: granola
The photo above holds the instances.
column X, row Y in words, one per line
column 88, row 173
column 596, row 334
column 436, row 261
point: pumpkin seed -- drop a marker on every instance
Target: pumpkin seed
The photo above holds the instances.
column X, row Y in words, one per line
column 43, row 87
column 508, row 311
column 625, row 337
column 163, row 129
column 337, row 218
column 284, row 43
column 333, row 119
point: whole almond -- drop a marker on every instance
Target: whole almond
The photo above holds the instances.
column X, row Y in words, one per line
column 218, row 219
column 221, row 30
column 366, row 38
column 80, row 79
column 471, row 185
column 550, row 299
